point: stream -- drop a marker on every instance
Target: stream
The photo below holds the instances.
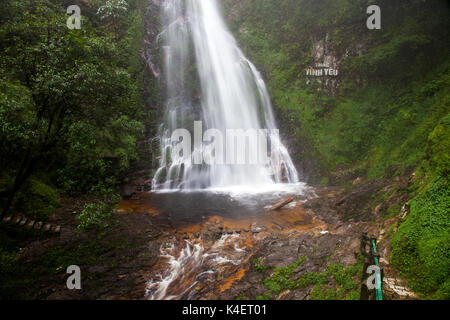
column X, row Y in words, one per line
column 210, row 237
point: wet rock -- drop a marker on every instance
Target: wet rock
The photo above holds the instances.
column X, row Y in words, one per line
column 127, row 191
column 282, row 258
column 98, row 269
column 349, row 259
column 396, row 287
column 300, row 294
column 256, row 229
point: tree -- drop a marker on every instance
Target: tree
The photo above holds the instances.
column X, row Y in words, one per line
column 55, row 80
column 113, row 11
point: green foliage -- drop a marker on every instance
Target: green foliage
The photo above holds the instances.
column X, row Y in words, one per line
column 280, row 278
column 70, row 100
column 421, row 247
column 57, row 259
column 336, row 283
column 97, row 214
column 98, row 154
column 438, row 148
column 15, row 283
column 37, row 199
column 258, row 266
column 394, row 84
column 389, row 114
column 9, row 285
column 113, row 9
column 393, row 211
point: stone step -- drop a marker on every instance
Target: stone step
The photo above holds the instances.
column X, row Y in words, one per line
column 23, row 221
column 38, row 225
column 32, row 224
column 16, row 219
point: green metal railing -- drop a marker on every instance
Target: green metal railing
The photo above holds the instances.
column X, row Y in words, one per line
column 374, row 259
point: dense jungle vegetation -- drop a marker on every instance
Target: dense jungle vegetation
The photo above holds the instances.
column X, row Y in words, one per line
column 388, row 115
column 71, row 105
column 71, row 100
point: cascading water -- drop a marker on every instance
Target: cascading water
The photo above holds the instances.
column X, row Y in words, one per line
column 190, row 263
column 209, row 79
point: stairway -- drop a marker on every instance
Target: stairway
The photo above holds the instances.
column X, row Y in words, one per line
column 32, row 224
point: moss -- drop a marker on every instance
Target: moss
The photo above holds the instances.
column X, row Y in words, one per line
column 324, row 182
column 390, row 230
column 37, row 199
column 383, row 111
column 240, row 296
column 392, row 211
column 336, row 282
column 15, row 280
column 258, row 266
column 438, row 148
column 266, row 296
column 421, row 247
column 280, row 278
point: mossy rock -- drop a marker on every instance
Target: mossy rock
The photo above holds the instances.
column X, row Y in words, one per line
column 37, row 199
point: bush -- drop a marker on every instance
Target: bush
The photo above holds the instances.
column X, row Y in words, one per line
column 96, row 214
column 421, row 247
column 37, row 199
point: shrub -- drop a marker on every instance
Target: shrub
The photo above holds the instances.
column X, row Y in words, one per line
column 421, row 247
column 96, row 214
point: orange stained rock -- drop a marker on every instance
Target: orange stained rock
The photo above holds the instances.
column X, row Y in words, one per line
column 228, row 282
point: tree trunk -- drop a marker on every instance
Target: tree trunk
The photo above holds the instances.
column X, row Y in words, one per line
column 25, row 171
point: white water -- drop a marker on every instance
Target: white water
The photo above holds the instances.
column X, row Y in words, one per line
column 189, row 259
column 232, row 95
column 191, row 265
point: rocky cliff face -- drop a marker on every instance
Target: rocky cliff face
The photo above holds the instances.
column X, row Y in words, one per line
column 139, row 177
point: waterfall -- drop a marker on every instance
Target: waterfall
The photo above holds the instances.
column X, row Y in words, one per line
column 209, row 79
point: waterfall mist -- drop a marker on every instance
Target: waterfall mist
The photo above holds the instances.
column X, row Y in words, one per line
column 209, row 79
